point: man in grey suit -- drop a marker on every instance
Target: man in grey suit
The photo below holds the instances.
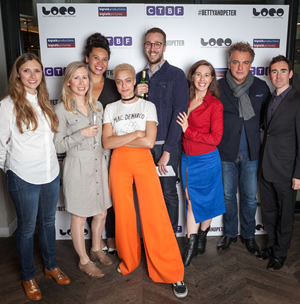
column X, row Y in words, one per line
column 280, row 163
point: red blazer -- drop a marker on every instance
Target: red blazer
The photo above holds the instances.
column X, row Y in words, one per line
column 205, row 128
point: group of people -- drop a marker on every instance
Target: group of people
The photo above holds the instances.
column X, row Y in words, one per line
column 114, row 139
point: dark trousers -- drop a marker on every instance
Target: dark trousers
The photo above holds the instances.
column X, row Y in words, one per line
column 277, row 210
column 168, row 184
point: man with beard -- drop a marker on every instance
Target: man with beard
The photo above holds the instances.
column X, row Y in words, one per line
column 167, row 88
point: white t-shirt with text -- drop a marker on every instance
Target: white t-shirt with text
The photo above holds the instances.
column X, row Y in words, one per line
column 128, row 118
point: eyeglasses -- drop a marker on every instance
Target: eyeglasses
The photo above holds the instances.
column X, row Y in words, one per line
column 157, row 45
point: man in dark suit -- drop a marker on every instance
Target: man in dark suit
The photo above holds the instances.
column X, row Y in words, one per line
column 280, row 163
column 243, row 97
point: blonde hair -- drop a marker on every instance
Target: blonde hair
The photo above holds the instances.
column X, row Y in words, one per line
column 67, row 94
column 25, row 114
column 124, row 67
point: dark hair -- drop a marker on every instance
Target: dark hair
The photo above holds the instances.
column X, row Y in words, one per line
column 241, row 47
column 213, row 87
column 96, row 40
column 278, row 59
column 157, row 30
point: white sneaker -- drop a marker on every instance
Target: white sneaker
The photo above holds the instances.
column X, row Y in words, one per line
column 180, row 290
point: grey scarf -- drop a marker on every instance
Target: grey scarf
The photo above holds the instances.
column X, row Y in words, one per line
column 239, row 90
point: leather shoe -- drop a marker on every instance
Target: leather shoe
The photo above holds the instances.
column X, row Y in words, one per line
column 276, row 262
column 32, row 290
column 251, row 245
column 225, row 242
column 265, row 254
column 56, row 274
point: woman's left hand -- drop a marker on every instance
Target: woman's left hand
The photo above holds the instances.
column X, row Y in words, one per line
column 182, row 120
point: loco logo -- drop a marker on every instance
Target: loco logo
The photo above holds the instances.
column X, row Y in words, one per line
column 119, row 41
column 56, row 71
column 259, row 71
column 164, row 10
column 259, row 227
column 68, row 232
column 216, row 42
column 272, row 12
column 59, row 11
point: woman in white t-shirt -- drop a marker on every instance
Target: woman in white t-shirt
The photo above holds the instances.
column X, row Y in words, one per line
column 129, row 127
column 27, row 155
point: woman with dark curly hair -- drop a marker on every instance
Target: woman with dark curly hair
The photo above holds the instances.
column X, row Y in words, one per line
column 97, row 55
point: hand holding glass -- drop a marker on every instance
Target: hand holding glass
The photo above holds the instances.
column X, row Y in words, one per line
column 95, row 121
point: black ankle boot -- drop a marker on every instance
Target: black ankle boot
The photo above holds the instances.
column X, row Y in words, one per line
column 191, row 249
column 202, row 240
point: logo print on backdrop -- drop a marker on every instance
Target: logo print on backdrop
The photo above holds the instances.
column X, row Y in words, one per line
column 266, row 43
column 259, row 71
column 214, row 229
column 164, row 10
column 60, row 42
column 272, row 12
column 210, row 12
column 220, row 72
column 119, row 41
column 259, row 227
column 68, row 232
column 59, row 11
column 56, row 71
column 216, row 42
column 175, row 42
column 112, row 11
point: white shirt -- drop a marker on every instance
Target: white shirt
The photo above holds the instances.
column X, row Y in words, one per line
column 128, row 118
column 30, row 155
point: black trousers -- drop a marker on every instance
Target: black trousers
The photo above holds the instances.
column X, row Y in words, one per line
column 277, row 210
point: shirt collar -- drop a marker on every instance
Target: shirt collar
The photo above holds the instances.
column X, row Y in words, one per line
column 283, row 94
column 157, row 68
column 32, row 98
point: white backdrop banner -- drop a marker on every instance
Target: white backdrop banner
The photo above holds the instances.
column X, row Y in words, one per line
column 194, row 32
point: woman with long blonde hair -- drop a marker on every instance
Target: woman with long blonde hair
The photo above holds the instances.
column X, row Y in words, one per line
column 27, row 155
column 85, row 176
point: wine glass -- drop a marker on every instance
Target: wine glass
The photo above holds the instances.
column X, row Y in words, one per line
column 95, row 121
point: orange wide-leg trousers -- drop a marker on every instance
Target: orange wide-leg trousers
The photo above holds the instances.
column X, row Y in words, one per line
column 164, row 261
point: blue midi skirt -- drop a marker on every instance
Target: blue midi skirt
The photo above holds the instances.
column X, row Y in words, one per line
column 202, row 176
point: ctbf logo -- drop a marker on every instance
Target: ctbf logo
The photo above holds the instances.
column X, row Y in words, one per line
column 59, row 11
column 56, row 71
column 216, row 42
column 120, row 41
column 259, row 71
column 272, row 12
column 164, row 10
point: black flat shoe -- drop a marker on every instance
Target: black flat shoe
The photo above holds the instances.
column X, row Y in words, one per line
column 225, row 242
column 265, row 254
column 251, row 245
column 276, row 262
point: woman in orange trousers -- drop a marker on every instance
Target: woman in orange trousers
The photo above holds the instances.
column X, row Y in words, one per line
column 130, row 129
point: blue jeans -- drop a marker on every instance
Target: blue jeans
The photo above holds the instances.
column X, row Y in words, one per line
column 168, row 184
column 242, row 171
column 34, row 202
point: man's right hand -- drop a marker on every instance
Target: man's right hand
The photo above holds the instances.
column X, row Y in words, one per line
column 141, row 88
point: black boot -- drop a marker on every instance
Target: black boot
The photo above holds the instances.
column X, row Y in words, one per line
column 202, row 240
column 191, row 249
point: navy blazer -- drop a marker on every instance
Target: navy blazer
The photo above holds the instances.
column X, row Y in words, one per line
column 259, row 93
column 280, row 150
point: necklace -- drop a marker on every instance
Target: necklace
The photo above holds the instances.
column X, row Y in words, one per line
column 127, row 99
